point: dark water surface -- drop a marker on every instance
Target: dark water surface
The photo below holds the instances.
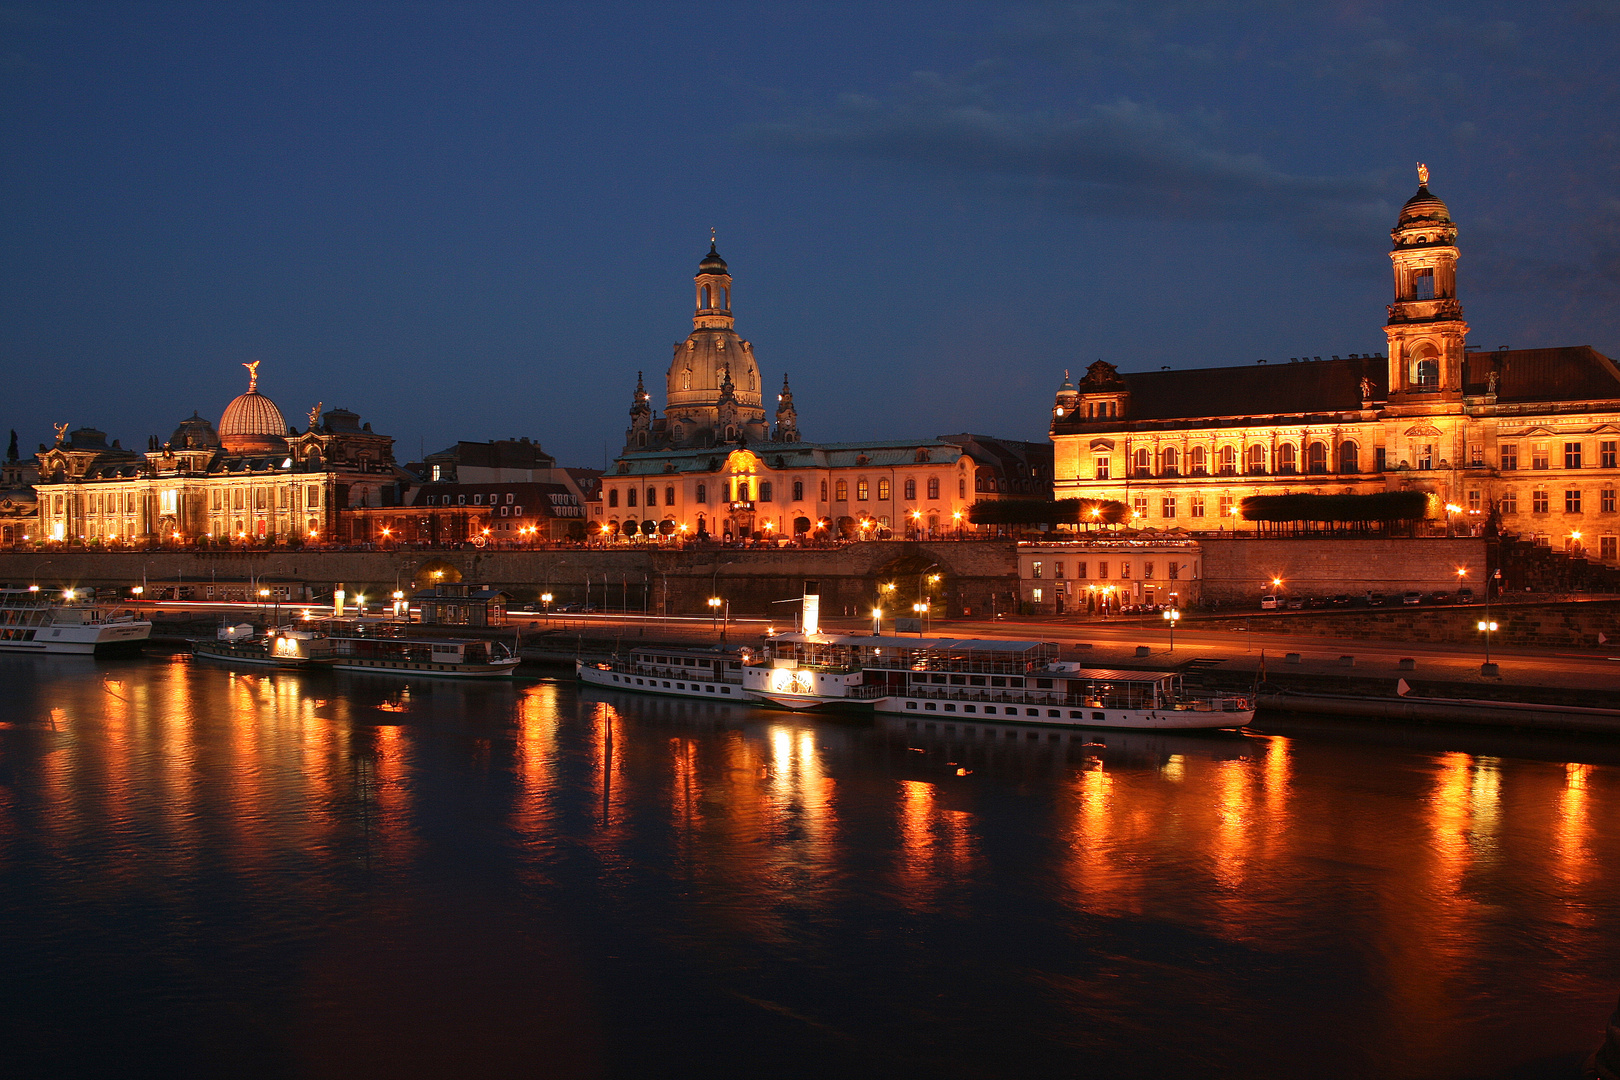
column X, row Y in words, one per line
column 208, row 874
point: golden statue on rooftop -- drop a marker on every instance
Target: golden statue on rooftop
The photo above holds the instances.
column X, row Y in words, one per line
column 61, row 433
column 1423, row 175
column 315, row 415
column 253, row 375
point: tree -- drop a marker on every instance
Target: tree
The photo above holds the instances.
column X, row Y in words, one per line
column 1359, row 511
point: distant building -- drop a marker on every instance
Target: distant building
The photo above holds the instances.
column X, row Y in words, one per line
column 462, row 604
column 253, row 479
column 1530, row 437
column 714, row 464
column 1084, row 577
column 499, row 513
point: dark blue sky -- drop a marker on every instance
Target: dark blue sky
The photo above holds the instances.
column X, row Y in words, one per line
column 478, row 220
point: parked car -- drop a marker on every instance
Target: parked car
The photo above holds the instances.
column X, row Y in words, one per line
column 1296, row 603
column 1376, row 599
column 1465, row 595
column 1342, row 600
column 1316, row 602
column 1439, row 596
column 1268, row 603
column 1412, row 598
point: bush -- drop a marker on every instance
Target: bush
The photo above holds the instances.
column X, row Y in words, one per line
column 1383, row 507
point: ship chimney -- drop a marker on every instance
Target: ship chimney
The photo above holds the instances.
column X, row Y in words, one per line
column 810, row 623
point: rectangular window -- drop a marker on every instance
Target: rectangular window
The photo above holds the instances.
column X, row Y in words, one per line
column 703, row 494
column 314, row 498
column 1609, row 454
column 1423, row 285
column 1035, row 569
column 613, row 497
column 1572, row 455
column 669, row 496
column 1169, row 506
column 1606, row 500
column 766, row 491
column 1473, row 501
column 1175, row 570
column 1424, row 456
column 1124, row 569
column 933, row 487
column 1476, row 455
column 1035, row 595
column 1101, row 471
column 798, row 491
column 911, row 489
column 517, row 511
column 1139, row 505
column 629, row 497
column 218, row 499
column 478, row 500
column 1538, row 456
column 1508, row 455
column 1381, row 459
column 1080, row 570
column 843, row 491
column 1608, row 549
column 860, row 490
column 1057, row 569
column 1226, row 507
column 1195, row 506
column 824, row 491
column 652, row 496
column 1538, row 502
column 506, row 511
column 1102, row 568
column 1147, row 570
column 1572, row 501
column 238, row 498
column 883, row 491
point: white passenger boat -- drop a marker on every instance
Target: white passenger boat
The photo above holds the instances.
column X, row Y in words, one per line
column 278, row 647
column 985, row 679
column 672, row 670
column 32, row 620
column 384, row 646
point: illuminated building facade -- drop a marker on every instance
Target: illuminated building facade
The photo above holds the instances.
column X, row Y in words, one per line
column 253, row 479
column 1089, row 576
column 1530, row 435
column 713, row 465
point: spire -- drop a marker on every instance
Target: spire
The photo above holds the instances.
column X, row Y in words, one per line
column 787, row 417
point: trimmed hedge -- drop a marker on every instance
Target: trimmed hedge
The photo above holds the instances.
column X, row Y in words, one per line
column 1385, row 507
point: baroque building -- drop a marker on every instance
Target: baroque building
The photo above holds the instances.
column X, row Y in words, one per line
column 715, row 464
column 251, row 479
column 1529, row 438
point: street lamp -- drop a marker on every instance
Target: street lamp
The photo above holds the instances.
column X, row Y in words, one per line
column 1487, row 627
column 877, row 621
column 545, row 598
column 956, row 516
column 714, row 613
column 400, row 607
column 1172, row 617
column 919, row 609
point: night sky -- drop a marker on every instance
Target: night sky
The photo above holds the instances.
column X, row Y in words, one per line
column 478, row 220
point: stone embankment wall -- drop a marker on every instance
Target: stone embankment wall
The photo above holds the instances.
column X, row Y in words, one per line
column 1238, row 570
column 1527, row 624
column 659, row 580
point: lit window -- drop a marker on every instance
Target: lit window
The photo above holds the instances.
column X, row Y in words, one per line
column 1508, row 454
column 883, row 491
column 860, row 491
column 1572, row 501
column 1572, row 455
column 933, row 487
column 1035, row 569
column 1538, row 502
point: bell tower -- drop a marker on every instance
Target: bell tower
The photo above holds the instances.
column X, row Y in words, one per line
column 1426, row 330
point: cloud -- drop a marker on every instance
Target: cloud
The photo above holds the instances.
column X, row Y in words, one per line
column 1122, row 159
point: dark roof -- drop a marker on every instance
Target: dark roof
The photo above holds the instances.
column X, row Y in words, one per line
column 501, row 454
column 1316, row 386
column 552, row 499
column 1572, row 373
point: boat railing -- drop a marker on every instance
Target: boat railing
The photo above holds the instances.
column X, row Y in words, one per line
column 651, row 671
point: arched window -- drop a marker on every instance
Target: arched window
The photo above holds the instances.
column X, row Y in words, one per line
column 629, row 496
column 883, row 490
column 1316, row 458
column 911, row 489
column 798, row 491
column 742, row 491
column 1254, row 460
column 1172, row 462
column 1197, row 461
column 1228, row 459
column 842, row 491
column 725, row 294
column 933, row 487
column 861, row 490
column 1287, row 458
column 652, row 496
column 1142, row 464
column 669, row 496
column 1349, row 457
column 613, row 496
column 702, row 495
column 705, row 297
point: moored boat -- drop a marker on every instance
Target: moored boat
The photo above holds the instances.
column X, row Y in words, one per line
column 986, row 679
column 279, row 647
column 33, row 621
column 383, row 646
column 671, row 670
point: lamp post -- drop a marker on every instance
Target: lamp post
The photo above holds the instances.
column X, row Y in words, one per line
column 1487, row 627
column 919, row 609
column 956, row 516
column 400, row 606
column 545, row 598
column 714, row 613
column 877, row 621
column 264, row 598
column 1172, row 617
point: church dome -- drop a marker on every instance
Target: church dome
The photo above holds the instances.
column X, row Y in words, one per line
column 196, row 433
column 712, row 263
column 1425, row 206
column 252, row 423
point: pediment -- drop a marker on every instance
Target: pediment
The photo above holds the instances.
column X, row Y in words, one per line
column 1102, row 444
column 1423, row 429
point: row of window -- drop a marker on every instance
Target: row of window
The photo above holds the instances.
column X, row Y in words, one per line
column 1037, row 569
column 1541, row 501
column 1574, row 455
column 1196, row 460
column 743, row 489
column 477, row 499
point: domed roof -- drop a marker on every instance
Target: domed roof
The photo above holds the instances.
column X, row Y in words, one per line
column 252, row 422
column 712, row 262
column 1424, row 206
column 196, row 433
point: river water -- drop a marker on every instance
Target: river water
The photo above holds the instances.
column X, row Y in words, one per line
column 295, row 875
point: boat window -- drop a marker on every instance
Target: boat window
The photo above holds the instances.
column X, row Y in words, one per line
column 1043, row 684
column 1015, row 682
column 1099, row 716
column 997, row 680
column 958, row 680
column 976, row 680
column 939, row 678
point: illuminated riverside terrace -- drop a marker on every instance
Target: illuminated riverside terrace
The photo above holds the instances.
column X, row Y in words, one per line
column 207, row 873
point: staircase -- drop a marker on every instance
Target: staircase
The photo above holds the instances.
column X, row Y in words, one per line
column 1536, row 568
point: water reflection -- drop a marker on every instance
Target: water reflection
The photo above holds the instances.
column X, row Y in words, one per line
column 832, row 894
